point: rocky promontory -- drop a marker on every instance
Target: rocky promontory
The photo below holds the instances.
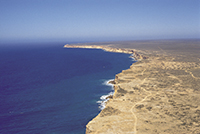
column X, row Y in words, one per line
column 135, row 55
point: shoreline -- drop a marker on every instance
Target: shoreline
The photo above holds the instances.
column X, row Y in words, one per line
column 109, row 48
column 105, row 98
column 133, row 54
column 157, row 94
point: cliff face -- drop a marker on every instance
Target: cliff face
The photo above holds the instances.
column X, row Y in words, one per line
column 160, row 94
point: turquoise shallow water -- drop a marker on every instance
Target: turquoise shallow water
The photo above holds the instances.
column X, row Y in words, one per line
column 53, row 90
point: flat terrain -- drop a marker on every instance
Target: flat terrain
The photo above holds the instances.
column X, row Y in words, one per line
column 157, row 95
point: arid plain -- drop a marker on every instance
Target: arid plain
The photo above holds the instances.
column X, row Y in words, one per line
column 159, row 94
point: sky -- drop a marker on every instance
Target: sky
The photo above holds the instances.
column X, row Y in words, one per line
column 98, row 20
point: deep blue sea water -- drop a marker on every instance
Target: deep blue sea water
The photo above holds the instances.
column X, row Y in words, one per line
column 53, row 90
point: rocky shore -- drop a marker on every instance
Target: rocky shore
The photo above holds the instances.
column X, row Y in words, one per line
column 159, row 94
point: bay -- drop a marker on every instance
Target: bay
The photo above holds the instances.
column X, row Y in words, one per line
column 53, row 90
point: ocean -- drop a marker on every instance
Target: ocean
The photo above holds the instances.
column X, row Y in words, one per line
column 48, row 89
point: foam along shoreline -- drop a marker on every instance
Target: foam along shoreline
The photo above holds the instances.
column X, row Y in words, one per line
column 104, row 98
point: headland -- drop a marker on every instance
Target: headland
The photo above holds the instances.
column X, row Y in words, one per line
column 160, row 93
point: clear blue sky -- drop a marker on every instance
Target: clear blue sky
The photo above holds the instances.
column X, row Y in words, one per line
column 98, row 20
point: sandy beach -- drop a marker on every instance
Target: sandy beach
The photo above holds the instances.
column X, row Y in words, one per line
column 159, row 94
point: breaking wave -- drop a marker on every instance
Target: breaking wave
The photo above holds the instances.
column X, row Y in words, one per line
column 105, row 98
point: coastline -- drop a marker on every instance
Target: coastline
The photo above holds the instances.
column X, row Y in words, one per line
column 158, row 94
column 133, row 54
column 109, row 48
column 105, row 98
